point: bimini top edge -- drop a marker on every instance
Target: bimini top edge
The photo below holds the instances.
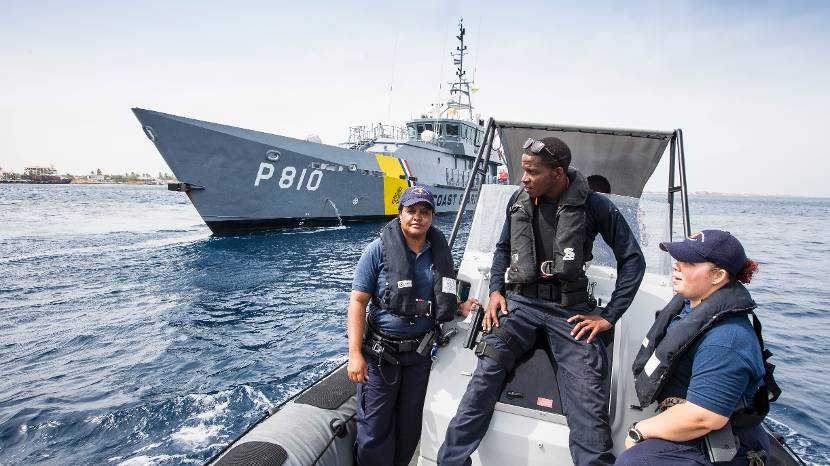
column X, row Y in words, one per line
column 625, row 157
column 641, row 133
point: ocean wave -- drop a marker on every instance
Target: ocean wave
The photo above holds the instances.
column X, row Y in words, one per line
column 109, row 249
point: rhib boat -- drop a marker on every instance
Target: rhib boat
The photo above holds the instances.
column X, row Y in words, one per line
column 529, row 425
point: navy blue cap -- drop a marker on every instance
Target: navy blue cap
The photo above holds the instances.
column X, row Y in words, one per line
column 716, row 246
column 415, row 194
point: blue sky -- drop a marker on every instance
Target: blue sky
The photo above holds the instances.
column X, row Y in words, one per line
column 746, row 81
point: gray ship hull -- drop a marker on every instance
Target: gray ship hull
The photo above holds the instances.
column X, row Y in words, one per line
column 242, row 181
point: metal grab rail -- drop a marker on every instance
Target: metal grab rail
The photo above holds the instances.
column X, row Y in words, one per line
column 479, row 166
column 677, row 160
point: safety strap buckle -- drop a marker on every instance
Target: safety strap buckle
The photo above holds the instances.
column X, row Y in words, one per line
column 546, row 269
column 481, row 348
column 506, row 360
column 377, row 347
column 423, row 307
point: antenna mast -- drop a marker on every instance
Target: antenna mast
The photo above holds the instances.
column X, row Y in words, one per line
column 460, row 90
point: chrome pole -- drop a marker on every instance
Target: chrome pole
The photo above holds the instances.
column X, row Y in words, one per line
column 485, row 148
column 684, row 188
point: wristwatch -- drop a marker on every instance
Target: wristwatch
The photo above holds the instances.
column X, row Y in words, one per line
column 635, row 434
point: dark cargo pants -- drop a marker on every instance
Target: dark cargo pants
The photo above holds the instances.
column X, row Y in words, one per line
column 582, row 370
column 389, row 414
column 654, row 452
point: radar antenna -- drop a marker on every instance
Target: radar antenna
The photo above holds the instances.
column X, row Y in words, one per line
column 460, row 89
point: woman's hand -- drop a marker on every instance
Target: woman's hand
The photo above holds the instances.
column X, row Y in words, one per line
column 467, row 306
column 357, row 367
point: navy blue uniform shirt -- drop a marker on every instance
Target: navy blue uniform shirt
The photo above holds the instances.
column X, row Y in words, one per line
column 720, row 367
column 602, row 218
column 370, row 278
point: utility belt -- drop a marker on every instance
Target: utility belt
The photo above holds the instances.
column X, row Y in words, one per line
column 546, row 291
column 720, row 446
column 385, row 347
column 390, row 343
column 568, row 293
column 423, row 308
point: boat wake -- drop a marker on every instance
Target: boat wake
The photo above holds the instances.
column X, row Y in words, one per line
column 808, row 450
column 112, row 248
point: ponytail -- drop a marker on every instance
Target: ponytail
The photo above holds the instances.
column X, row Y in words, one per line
column 747, row 271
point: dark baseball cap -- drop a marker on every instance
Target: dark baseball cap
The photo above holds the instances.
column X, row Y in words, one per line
column 415, row 194
column 716, row 246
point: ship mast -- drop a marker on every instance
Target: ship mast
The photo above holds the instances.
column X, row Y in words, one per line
column 460, row 89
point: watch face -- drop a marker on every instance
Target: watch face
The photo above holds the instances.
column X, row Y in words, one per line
column 634, row 435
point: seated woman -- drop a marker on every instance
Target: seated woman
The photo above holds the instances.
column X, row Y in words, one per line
column 407, row 275
column 701, row 360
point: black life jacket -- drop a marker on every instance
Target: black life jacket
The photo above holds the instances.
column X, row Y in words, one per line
column 657, row 358
column 571, row 245
column 399, row 297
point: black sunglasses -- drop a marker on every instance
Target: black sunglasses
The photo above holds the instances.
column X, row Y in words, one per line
column 536, row 147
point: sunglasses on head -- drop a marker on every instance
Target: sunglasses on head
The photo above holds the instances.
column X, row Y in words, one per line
column 536, row 147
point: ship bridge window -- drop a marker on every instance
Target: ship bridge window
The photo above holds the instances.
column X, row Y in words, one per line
column 452, row 130
column 424, row 127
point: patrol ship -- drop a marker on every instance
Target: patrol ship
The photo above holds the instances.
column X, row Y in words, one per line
column 241, row 180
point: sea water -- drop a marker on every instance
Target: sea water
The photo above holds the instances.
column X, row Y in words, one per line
column 129, row 335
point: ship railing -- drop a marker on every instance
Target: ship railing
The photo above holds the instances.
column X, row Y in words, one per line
column 459, row 178
column 359, row 135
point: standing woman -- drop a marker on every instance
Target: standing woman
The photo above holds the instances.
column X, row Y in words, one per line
column 407, row 279
column 703, row 362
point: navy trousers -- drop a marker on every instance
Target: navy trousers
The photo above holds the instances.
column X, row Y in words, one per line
column 582, row 370
column 654, row 452
column 389, row 410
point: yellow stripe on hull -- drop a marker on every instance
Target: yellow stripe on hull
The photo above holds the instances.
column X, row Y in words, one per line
column 393, row 184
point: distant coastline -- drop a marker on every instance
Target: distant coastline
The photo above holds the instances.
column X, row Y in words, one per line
column 48, row 175
column 715, row 193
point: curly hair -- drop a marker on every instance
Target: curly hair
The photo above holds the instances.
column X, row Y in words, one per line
column 748, row 270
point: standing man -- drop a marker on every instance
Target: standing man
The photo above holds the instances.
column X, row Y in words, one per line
column 546, row 240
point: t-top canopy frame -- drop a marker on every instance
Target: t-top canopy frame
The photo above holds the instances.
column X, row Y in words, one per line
column 626, row 158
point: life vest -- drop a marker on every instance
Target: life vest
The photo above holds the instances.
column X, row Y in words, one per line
column 399, row 297
column 571, row 248
column 656, row 359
